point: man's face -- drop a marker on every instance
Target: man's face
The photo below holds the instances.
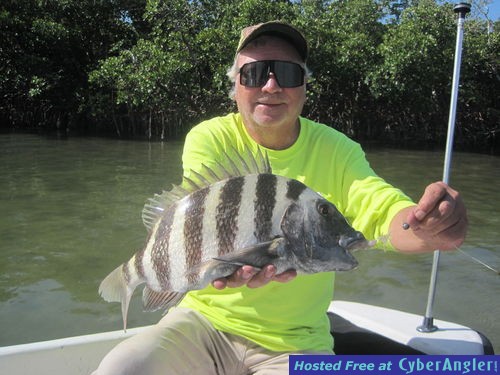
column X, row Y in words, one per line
column 269, row 106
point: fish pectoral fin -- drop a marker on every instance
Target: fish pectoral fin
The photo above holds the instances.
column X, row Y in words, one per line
column 233, row 262
column 153, row 300
column 256, row 256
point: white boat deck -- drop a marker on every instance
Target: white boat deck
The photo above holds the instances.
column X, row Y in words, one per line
column 81, row 355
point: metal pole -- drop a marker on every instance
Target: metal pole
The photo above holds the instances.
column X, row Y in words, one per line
column 462, row 9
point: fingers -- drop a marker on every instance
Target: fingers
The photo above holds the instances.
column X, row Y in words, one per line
column 268, row 274
column 428, row 207
column 438, row 205
column 253, row 277
column 440, row 216
column 239, row 278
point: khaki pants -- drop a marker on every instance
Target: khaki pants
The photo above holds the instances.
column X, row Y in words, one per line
column 184, row 342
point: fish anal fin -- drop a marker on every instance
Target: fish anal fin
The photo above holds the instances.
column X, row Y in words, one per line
column 153, row 300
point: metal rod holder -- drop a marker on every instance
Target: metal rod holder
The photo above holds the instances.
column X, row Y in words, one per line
column 462, row 9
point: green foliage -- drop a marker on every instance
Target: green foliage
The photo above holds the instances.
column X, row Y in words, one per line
column 479, row 110
column 344, row 37
column 47, row 50
column 382, row 69
column 413, row 81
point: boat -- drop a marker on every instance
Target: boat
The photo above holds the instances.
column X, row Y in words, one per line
column 357, row 328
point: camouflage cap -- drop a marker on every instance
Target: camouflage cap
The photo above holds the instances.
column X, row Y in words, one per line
column 280, row 29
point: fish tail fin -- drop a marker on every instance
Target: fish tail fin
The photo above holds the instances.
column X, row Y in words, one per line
column 115, row 288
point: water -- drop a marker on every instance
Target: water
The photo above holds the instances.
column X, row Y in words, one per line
column 71, row 213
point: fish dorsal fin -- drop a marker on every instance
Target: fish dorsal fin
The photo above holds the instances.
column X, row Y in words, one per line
column 154, row 207
column 235, row 164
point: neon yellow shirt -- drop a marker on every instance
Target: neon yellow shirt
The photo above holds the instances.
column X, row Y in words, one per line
column 292, row 316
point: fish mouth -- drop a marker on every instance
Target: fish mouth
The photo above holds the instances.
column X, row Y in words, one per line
column 359, row 244
column 356, row 242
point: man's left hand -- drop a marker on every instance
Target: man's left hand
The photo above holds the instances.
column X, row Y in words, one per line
column 440, row 217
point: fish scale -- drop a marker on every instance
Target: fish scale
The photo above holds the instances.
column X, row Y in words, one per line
column 213, row 224
column 160, row 259
column 146, row 259
column 177, row 245
column 247, row 213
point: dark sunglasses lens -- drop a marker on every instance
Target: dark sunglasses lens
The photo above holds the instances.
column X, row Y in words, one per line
column 256, row 74
column 288, row 74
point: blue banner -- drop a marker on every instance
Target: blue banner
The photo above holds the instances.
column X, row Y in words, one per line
column 394, row 364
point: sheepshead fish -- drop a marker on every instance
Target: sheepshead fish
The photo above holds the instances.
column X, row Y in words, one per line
column 228, row 217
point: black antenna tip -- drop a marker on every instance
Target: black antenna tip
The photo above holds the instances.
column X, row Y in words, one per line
column 462, row 8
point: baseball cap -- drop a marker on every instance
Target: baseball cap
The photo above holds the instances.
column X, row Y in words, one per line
column 280, row 29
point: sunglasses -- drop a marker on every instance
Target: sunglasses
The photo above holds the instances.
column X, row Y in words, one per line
column 287, row 74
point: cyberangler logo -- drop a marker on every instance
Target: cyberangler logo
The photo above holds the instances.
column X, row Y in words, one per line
column 452, row 365
column 394, row 365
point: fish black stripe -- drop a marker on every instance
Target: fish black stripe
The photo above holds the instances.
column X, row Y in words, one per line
column 193, row 232
column 265, row 194
column 139, row 267
column 159, row 251
column 126, row 272
column 227, row 214
column 294, row 189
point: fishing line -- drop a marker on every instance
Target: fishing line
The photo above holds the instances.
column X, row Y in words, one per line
column 478, row 261
column 406, row 226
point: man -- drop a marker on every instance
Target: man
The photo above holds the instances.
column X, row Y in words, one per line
column 246, row 324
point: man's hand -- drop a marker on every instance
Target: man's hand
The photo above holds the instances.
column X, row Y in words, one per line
column 253, row 278
column 438, row 221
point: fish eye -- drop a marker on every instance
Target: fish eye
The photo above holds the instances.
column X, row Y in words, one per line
column 323, row 209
